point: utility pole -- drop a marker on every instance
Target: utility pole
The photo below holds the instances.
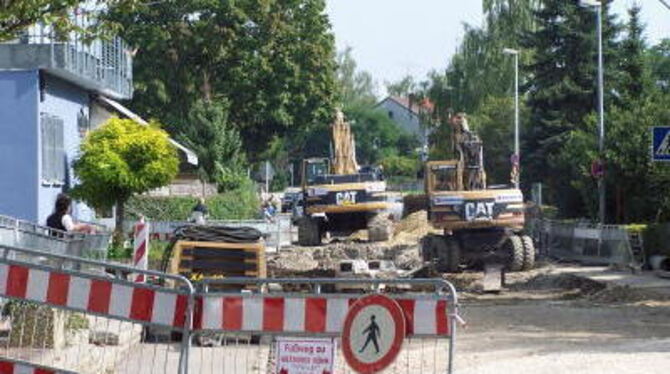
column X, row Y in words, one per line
column 601, row 106
column 516, row 158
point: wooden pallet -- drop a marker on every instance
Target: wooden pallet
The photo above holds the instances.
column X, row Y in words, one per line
column 215, row 259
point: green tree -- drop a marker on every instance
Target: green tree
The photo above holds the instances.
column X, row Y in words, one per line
column 272, row 60
column 563, row 92
column 640, row 188
column 357, row 88
column 216, row 142
column 378, row 136
column 494, row 123
column 120, row 159
column 17, row 15
column 403, row 87
column 658, row 58
column 635, row 78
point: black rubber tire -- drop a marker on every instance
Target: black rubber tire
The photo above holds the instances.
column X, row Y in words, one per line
column 515, row 252
column 428, row 248
column 448, row 253
column 380, row 228
column 528, row 252
column 309, row 232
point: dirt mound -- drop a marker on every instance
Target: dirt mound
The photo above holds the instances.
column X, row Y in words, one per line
column 412, row 228
column 403, row 249
column 302, row 261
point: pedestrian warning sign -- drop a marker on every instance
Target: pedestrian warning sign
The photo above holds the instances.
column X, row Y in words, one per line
column 661, row 143
column 373, row 333
column 305, row 355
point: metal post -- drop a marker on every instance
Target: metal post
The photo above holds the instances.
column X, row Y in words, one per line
column 601, row 118
column 267, row 177
column 516, row 119
column 516, row 158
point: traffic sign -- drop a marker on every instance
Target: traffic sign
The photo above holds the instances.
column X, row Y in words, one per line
column 373, row 333
column 661, row 143
column 305, row 355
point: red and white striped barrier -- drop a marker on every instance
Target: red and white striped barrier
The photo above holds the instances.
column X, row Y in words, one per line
column 141, row 248
column 16, row 367
column 314, row 315
column 90, row 295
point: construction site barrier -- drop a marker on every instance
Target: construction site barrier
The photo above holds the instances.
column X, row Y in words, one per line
column 584, row 242
column 24, row 234
column 87, row 316
column 227, row 322
column 65, row 313
column 19, row 367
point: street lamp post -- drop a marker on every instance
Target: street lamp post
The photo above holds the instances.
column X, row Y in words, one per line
column 601, row 105
column 517, row 155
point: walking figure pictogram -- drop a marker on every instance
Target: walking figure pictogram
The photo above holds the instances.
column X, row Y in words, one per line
column 373, row 332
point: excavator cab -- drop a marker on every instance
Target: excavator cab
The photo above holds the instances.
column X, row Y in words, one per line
column 442, row 176
column 313, row 168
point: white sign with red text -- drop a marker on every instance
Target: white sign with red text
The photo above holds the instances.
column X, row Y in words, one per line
column 305, row 355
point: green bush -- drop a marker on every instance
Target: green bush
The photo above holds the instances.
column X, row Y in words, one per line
column 400, row 166
column 241, row 203
column 657, row 239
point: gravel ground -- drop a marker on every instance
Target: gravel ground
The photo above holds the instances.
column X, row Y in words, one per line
column 550, row 321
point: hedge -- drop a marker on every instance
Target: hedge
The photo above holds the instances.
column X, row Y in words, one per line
column 242, row 203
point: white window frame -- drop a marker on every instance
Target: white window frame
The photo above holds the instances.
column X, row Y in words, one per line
column 52, row 135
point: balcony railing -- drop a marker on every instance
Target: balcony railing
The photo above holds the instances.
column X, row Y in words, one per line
column 104, row 66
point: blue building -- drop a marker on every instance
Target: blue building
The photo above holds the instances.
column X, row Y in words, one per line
column 52, row 92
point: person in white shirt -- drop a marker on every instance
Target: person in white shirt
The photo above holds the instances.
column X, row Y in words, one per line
column 61, row 219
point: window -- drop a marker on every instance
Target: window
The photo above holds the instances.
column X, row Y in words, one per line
column 53, row 151
column 390, row 114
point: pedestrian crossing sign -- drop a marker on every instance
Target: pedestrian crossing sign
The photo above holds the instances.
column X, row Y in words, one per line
column 661, row 143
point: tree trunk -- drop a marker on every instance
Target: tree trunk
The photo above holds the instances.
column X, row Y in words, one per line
column 118, row 229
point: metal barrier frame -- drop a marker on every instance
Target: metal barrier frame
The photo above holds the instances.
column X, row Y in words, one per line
column 32, row 368
column 441, row 285
column 118, row 269
column 569, row 240
column 97, row 243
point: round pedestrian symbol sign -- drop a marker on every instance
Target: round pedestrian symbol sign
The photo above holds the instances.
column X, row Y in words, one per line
column 373, row 332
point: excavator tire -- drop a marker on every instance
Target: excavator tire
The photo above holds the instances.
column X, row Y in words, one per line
column 528, row 252
column 428, row 247
column 515, row 252
column 380, row 228
column 448, row 253
column 309, row 232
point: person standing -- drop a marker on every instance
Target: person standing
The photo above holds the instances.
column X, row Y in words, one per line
column 199, row 212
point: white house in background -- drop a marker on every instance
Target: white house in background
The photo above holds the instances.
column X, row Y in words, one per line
column 408, row 114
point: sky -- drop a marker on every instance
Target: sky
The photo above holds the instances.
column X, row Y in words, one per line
column 394, row 38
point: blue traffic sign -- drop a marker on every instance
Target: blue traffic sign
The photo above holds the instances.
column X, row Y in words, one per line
column 661, row 143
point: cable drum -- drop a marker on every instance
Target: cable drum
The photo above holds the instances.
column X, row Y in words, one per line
column 202, row 233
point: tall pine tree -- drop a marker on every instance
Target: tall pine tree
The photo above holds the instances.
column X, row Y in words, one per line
column 562, row 92
column 634, row 78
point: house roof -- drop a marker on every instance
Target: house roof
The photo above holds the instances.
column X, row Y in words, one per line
column 191, row 157
column 425, row 104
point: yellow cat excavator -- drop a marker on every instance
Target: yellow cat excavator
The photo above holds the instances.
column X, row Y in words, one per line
column 339, row 197
column 481, row 224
